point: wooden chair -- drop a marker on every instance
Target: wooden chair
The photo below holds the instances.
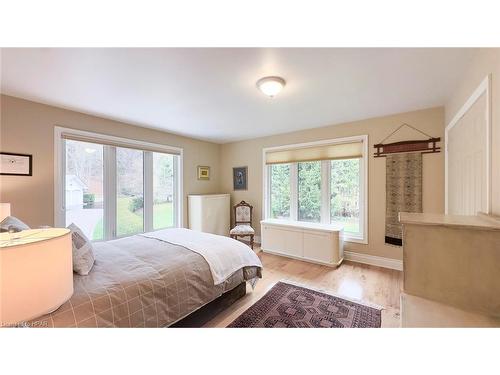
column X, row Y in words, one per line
column 243, row 222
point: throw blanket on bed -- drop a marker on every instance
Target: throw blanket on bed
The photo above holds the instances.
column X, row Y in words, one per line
column 224, row 255
column 403, row 192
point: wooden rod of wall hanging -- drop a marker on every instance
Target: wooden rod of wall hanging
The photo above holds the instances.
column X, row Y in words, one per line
column 426, row 146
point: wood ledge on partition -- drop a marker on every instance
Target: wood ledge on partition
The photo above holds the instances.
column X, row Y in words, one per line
column 481, row 221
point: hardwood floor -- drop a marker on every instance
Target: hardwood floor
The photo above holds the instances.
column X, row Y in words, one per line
column 355, row 281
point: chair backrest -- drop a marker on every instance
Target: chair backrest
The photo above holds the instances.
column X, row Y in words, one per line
column 243, row 213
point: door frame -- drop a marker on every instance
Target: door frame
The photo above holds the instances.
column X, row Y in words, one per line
column 483, row 88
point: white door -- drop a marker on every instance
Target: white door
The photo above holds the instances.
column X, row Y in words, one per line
column 467, row 161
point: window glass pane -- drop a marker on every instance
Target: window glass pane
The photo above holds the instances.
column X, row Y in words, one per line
column 280, row 191
column 129, row 191
column 309, row 191
column 345, row 193
column 84, row 187
column 163, row 190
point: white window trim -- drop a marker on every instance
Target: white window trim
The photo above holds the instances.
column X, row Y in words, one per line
column 110, row 163
column 109, row 154
column 363, row 204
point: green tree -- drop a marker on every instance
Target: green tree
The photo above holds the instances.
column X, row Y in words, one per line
column 309, row 185
column 163, row 177
column 280, row 191
column 344, row 190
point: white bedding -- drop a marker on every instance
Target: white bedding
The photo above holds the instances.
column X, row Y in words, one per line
column 224, row 255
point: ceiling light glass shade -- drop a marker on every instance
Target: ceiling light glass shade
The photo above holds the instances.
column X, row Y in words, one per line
column 271, row 86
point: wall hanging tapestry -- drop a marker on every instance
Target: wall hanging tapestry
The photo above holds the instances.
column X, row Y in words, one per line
column 403, row 192
column 403, row 177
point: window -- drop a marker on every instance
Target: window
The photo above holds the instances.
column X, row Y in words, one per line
column 345, row 194
column 309, row 188
column 280, row 191
column 329, row 190
column 111, row 190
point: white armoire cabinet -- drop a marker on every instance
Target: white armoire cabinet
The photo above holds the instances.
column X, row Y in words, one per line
column 209, row 213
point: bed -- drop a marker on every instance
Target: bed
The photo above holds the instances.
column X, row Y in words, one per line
column 155, row 279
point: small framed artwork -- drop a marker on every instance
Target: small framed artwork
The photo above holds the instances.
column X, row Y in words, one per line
column 16, row 164
column 240, row 178
column 203, row 173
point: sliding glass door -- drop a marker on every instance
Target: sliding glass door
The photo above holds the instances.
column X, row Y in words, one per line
column 129, row 191
column 112, row 191
column 84, row 187
column 164, row 191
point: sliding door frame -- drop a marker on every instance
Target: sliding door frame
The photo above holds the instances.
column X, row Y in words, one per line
column 109, row 178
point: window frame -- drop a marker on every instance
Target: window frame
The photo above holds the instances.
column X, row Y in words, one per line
column 109, row 178
column 325, row 185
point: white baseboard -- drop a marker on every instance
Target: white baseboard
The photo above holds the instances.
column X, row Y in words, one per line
column 308, row 260
column 374, row 260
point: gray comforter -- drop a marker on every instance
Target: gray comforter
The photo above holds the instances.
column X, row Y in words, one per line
column 140, row 282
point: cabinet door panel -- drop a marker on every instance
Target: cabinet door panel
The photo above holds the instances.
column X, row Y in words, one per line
column 319, row 246
column 294, row 243
column 272, row 239
column 283, row 241
column 216, row 213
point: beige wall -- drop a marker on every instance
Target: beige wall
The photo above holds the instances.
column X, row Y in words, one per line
column 487, row 61
column 28, row 127
column 431, row 121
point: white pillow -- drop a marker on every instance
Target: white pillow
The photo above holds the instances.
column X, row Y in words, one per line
column 83, row 253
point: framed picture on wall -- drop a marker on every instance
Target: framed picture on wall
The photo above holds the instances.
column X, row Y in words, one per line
column 203, row 173
column 16, row 164
column 240, row 178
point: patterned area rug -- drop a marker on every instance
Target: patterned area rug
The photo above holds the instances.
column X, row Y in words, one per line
column 291, row 306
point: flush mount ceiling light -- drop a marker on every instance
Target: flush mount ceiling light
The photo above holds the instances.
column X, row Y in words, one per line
column 271, row 86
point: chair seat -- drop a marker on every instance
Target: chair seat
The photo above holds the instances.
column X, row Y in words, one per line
column 242, row 230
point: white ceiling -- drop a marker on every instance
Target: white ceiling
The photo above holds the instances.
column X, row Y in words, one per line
column 211, row 94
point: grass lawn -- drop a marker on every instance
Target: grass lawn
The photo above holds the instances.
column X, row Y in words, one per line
column 350, row 225
column 129, row 222
column 163, row 215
